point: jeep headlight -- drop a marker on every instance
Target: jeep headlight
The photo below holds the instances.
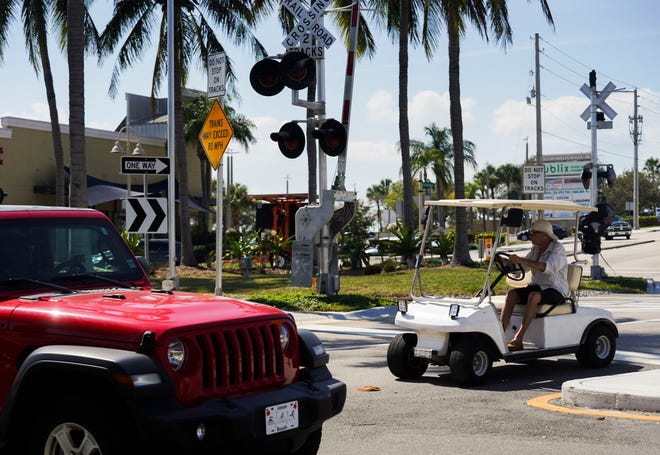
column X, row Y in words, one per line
column 176, row 354
column 285, row 337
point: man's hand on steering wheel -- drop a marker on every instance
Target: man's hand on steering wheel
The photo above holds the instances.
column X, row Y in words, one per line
column 504, row 265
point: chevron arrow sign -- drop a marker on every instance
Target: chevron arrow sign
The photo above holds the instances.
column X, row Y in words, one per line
column 146, row 215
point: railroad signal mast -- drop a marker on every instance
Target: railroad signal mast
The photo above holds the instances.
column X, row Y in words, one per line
column 300, row 67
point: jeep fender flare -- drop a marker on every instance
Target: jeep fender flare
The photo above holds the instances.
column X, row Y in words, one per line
column 117, row 368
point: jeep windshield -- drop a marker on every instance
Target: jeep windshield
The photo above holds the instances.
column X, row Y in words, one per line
column 39, row 254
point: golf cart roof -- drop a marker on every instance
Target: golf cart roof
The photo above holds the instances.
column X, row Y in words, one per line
column 537, row 204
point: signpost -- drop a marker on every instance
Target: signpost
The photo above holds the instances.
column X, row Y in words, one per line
column 145, row 165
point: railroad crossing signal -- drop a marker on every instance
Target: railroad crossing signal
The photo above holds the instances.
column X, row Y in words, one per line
column 308, row 27
column 216, row 134
column 605, row 109
column 296, row 71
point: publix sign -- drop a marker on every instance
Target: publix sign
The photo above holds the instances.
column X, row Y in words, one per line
column 562, row 181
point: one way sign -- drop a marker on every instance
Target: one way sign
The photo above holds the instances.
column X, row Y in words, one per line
column 146, row 215
column 145, row 165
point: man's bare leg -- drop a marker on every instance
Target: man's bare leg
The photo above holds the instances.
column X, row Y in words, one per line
column 530, row 312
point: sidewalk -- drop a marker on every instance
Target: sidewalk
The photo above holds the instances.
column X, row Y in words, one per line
column 623, row 392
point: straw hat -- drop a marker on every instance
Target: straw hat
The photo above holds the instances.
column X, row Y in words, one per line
column 544, row 227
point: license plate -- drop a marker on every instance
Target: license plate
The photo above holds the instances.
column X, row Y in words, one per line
column 281, row 417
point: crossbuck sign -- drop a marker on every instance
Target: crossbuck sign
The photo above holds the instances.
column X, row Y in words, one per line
column 307, row 28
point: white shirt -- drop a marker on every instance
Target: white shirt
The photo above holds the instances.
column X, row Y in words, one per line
column 556, row 268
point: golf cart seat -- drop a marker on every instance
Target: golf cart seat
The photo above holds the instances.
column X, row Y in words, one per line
column 564, row 306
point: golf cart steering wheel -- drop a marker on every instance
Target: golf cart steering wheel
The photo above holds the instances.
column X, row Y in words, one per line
column 508, row 268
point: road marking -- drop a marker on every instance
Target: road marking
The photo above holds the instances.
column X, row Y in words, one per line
column 544, row 403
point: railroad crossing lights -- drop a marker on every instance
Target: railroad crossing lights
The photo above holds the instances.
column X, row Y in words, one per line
column 216, row 134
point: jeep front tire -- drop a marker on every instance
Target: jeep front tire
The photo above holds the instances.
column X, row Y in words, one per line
column 71, row 425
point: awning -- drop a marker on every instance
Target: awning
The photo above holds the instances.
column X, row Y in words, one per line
column 100, row 191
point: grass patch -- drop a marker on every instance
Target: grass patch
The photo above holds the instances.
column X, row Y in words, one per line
column 362, row 291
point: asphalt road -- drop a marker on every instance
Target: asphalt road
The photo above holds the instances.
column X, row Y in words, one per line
column 432, row 415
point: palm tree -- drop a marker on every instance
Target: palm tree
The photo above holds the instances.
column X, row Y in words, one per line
column 34, row 15
column 194, row 25
column 75, row 34
column 510, row 176
column 378, row 193
column 411, row 22
column 483, row 14
column 437, row 157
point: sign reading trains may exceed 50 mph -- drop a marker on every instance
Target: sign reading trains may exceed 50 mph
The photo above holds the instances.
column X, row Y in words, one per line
column 216, row 134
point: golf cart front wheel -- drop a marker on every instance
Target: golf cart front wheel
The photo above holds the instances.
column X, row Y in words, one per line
column 470, row 361
column 401, row 359
column 598, row 349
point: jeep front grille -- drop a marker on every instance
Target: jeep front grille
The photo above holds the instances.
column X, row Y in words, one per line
column 241, row 358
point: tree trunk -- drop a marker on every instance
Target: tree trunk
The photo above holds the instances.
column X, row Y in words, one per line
column 404, row 132
column 187, row 254
column 461, row 243
column 76, row 62
column 56, row 132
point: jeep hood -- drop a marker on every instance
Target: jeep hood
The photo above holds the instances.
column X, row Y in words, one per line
column 127, row 314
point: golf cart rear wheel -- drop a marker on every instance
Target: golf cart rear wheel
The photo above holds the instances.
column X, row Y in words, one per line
column 401, row 360
column 598, row 349
column 470, row 361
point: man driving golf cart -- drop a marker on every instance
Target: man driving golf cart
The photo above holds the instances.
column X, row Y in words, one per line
column 469, row 334
column 546, row 261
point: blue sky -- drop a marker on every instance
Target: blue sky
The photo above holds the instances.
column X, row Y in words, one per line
column 620, row 40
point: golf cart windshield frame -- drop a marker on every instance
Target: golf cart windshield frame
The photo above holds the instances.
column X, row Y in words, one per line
column 503, row 205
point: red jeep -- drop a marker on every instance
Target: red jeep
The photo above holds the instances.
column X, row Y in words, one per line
column 94, row 360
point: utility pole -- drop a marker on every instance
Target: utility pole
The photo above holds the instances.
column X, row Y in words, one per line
column 539, row 132
column 636, row 136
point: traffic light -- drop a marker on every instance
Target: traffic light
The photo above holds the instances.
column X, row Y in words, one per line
column 297, row 71
column 265, row 77
column 290, row 139
column 594, row 225
column 605, row 173
column 332, row 137
column 608, row 175
column 586, row 175
column 590, row 226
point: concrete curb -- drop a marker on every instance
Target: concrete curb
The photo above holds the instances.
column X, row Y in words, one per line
column 625, row 392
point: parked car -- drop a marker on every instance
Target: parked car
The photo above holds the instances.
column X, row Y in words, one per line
column 560, row 231
column 95, row 360
column 618, row 228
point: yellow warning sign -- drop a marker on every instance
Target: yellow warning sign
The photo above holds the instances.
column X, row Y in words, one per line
column 216, row 134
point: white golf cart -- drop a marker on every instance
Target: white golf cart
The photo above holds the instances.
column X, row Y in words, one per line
column 466, row 334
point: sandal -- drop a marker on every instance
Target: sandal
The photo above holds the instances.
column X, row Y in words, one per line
column 515, row 345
